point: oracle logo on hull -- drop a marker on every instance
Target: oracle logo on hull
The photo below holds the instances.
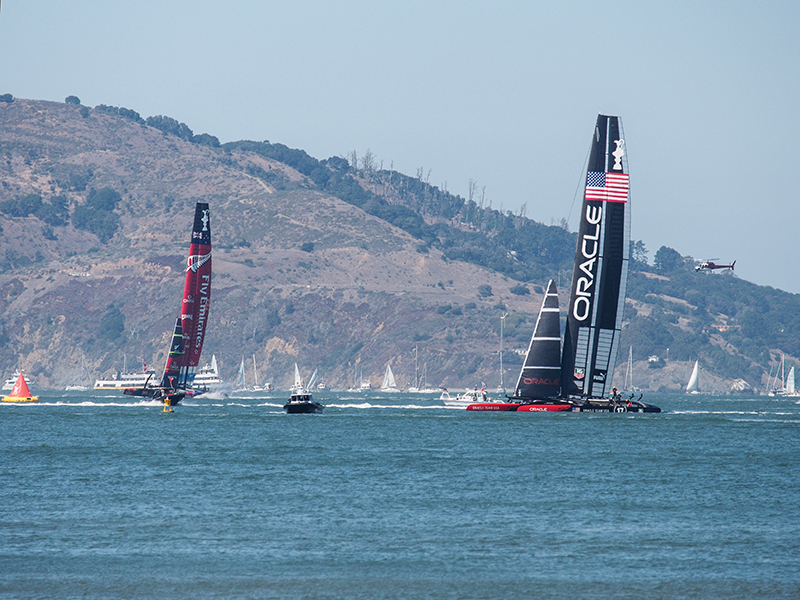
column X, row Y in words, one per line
column 537, row 381
column 590, row 246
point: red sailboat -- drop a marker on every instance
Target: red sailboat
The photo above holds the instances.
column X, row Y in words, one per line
column 186, row 344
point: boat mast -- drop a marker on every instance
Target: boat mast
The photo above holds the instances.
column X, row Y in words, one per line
column 416, row 370
column 629, row 370
column 502, row 328
column 241, row 382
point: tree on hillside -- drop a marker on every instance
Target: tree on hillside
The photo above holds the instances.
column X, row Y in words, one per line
column 205, row 139
column 97, row 216
column 22, row 207
column 170, row 125
column 72, row 100
column 111, row 324
column 668, row 260
column 520, row 290
column 54, row 213
column 120, row 111
column 639, row 252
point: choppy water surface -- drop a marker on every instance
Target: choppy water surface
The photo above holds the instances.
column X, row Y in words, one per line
column 397, row 497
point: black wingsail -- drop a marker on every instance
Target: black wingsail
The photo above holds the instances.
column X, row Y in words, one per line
column 174, row 373
column 540, row 377
column 599, row 280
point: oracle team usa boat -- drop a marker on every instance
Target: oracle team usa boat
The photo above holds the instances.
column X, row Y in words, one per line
column 186, row 344
column 577, row 377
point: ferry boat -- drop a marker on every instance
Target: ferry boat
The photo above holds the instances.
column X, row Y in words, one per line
column 207, row 378
column 121, row 381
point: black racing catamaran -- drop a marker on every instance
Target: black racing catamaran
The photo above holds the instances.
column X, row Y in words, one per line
column 580, row 379
column 186, row 343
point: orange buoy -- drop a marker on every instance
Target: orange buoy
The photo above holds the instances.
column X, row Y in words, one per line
column 20, row 392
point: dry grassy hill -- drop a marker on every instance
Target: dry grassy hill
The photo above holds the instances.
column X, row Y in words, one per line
column 303, row 276
column 364, row 296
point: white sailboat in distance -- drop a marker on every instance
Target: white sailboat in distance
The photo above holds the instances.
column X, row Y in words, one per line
column 693, row 387
column 297, row 386
column 389, row 384
column 790, row 387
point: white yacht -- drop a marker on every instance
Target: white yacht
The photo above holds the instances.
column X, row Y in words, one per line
column 9, row 383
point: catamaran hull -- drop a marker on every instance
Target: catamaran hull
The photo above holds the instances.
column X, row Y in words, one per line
column 545, row 408
column 591, row 407
column 493, row 406
column 640, row 407
column 173, row 397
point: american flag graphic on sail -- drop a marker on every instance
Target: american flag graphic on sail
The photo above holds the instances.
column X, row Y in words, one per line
column 612, row 187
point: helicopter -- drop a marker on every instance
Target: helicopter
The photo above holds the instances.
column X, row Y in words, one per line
column 709, row 265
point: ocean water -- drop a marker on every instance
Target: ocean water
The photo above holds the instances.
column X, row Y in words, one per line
column 397, row 497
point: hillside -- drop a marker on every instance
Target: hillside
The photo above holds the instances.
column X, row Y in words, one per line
column 322, row 262
column 363, row 296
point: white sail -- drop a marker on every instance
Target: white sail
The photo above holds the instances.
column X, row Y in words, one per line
column 363, row 386
column 82, row 384
column 790, row 383
column 313, row 380
column 629, row 371
column 415, row 387
column 241, row 381
column 389, row 384
column 297, row 386
column 255, row 372
column 693, row 386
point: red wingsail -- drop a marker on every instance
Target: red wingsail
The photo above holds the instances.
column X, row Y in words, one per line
column 196, row 300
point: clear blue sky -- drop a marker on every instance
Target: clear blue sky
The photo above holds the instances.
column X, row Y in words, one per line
column 502, row 93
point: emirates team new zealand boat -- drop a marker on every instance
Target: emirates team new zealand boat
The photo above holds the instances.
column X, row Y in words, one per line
column 186, row 345
column 578, row 376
